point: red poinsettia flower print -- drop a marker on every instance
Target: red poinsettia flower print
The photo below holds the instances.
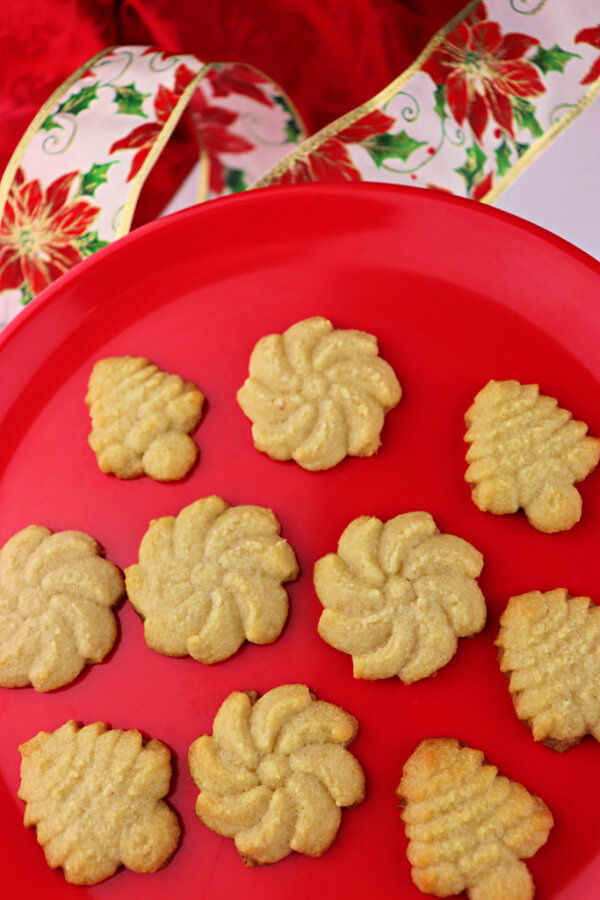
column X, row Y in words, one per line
column 143, row 137
column 39, row 231
column 331, row 160
column 590, row 36
column 483, row 70
column 234, row 78
column 213, row 124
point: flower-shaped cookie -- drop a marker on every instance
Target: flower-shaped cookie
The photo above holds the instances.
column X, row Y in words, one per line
column 526, row 452
column 94, row 796
column 469, row 827
column 56, row 593
column 275, row 773
column 550, row 644
column 398, row 594
column 210, row 579
column 142, row 419
column 317, row 394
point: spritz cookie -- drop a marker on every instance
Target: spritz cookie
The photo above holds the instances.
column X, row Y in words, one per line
column 317, row 393
column 468, row 827
column 56, row 594
column 550, row 647
column 275, row 773
column 142, row 419
column 526, row 452
column 397, row 595
column 95, row 797
column 210, row 579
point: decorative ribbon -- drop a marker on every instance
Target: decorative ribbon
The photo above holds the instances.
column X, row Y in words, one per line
column 489, row 92
column 73, row 182
column 486, row 96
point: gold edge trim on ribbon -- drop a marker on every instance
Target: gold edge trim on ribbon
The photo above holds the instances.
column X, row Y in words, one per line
column 157, row 148
column 542, row 143
column 204, row 172
column 34, row 126
column 375, row 102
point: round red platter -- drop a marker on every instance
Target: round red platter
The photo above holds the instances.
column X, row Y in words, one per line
column 456, row 294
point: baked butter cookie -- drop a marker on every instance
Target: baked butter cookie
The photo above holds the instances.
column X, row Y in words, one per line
column 526, row 452
column 397, row 595
column 317, row 393
column 468, row 827
column 275, row 773
column 550, row 647
column 56, row 593
column 94, row 795
column 142, row 419
column 210, row 579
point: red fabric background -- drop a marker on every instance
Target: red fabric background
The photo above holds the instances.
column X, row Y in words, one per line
column 328, row 55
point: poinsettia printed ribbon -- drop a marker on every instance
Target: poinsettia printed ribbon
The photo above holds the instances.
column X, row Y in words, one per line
column 73, row 182
column 487, row 94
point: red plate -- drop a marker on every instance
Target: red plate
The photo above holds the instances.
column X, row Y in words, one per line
column 457, row 294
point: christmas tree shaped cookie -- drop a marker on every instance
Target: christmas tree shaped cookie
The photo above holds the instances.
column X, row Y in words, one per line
column 95, row 796
column 526, row 452
column 468, row 827
column 142, row 419
column 550, row 644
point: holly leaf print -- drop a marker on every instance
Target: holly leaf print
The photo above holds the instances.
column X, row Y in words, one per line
column 129, row 100
column 235, row 179
column 521, row 148
column 391, row 146
column 293, row 132
column 27, row 294
column 89, row 243
column 440, row 101
column 502, row 154
column 49, row 123
column 76, row 103
column 552, row 60
column 472, row 170
column 93, row 178
column 524, row 113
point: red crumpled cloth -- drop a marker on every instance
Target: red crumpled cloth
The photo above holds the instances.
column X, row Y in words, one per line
column 328, row 55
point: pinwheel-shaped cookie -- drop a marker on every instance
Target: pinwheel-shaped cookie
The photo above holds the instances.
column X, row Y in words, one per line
column 469, row 827
column 550, row 645
column 527, row 453
column 275, row 773
column 398, row 595
column 142, row 419
column 210, row 579
column 56, row 593
column 317, row 394
column 95, row 797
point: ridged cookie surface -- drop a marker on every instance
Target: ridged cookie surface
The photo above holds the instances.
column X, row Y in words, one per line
column 142, row 419
column 550, row 646
column 398, row 595
column 94, row 795
column 526, row 452
column 210, row 579
column 275, row 773
column 468, row 827
column 317, row 394
column 56, row 593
